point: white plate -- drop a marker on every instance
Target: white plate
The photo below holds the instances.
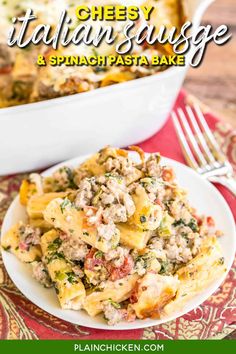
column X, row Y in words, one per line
column 202, row 195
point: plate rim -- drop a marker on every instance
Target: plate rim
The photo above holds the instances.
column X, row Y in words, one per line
column 137, row 324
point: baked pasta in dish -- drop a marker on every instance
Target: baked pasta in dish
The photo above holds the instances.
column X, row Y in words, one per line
column 117, row 237
column 22, row 81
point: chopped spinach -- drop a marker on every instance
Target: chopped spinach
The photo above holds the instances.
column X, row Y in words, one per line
column 71, row 277
column 55, row 244
column 145, row 259
column 164, row 267
column 66, row 202
column 56, row 255
column 98, row 254
column 70, row 176
column 192, row 224
column 179, row 222
column 114, row 304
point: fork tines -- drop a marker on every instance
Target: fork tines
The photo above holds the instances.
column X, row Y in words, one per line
column 199, row 145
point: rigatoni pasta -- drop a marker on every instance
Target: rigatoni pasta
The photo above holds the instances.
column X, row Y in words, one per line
column 37, row 204
column 70, row 289
column 26, row 252
column 117, row 291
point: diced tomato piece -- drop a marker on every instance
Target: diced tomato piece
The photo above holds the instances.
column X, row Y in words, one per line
column 23, row 246
column 167, row 174
column 210, row 221
column 159, row 202
column 122, row 271
column 91, row 261
column 198, row 218
column 5, row 69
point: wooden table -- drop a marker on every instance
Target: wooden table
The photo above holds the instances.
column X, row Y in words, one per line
column 214, row 82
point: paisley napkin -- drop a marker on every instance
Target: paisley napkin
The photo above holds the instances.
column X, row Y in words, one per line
column 215, row 318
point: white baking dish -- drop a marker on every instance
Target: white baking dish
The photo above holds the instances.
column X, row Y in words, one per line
column 39, row 134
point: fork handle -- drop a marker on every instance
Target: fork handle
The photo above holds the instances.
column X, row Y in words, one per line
column 228, row 182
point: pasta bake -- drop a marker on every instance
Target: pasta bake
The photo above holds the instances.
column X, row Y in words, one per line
column 22, row 81
column 116, row 236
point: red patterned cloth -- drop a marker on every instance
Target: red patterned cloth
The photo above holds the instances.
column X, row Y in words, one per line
column 215, row 318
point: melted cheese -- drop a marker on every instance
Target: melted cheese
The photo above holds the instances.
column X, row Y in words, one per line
column 154, row 292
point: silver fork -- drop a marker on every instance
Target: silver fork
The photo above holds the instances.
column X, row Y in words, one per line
column 200, row 148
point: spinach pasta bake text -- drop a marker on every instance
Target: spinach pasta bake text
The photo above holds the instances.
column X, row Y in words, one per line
column 23, row 81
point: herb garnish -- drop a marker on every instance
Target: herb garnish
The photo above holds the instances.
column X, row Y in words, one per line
column 98, row 255
column 145, row 259
column 55, row 244
column 192, row 224
column 66, row 202
column 56, row 255
column 164, row 267
column 114, row 304
column 71, row 277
